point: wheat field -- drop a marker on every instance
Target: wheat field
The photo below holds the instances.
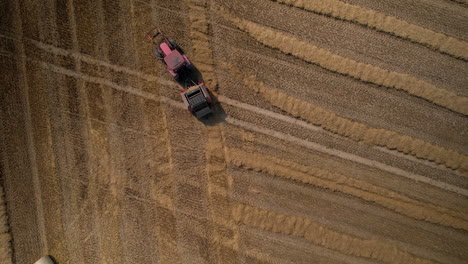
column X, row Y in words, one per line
column 339, row 132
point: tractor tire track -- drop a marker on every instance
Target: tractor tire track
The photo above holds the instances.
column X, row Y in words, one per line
column 352, row 129
column 347, row 185
column 282, row 136
column 381, row 22
column 363, row 219
column 310, row 127
column 360, row 71
column 128, row 88
column 375, row 107
column 350, row 40
column 347, row 156
column 323, row 236
column 254, row 141
column 88, row 59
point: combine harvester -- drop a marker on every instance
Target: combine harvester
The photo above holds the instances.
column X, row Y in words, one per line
column 195, row 95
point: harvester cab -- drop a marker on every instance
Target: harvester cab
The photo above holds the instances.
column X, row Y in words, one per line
column 197, row 99
column 170, row 53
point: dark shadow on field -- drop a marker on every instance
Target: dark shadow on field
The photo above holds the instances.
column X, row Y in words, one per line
column 189, row 78
column 192, row 77
column 53, row 259
column 217, row 116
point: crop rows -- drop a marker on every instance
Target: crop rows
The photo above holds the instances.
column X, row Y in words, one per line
column 361, row 71
column 348, row 185
column 352, row 129
column 323, row 236
column 384, row 23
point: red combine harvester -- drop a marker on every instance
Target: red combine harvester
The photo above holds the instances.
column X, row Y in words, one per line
column 195, row 96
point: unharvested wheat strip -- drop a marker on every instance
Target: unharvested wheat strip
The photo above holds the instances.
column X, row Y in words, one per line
column 382, row 22
column 312, row 127
column 341, row 154
column 202, row 58
column 199, row 33
column 344, row 184
column 323, row 236
column 218, row 186
column 358, row 70
column 352, row 129
column 216, row 167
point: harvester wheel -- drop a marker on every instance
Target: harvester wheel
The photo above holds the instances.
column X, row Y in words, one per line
column 158, row 54
column 174, row 45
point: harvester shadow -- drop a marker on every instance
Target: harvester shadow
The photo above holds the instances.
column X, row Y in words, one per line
column 218, row 115
column 190, row 78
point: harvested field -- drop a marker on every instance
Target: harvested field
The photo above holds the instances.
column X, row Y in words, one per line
column 339, row 133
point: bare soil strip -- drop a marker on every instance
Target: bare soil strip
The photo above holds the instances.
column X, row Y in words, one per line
column 381, row 22
column 358, row 70
column 323, row 236
column 352, row 129
column 346, row 184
